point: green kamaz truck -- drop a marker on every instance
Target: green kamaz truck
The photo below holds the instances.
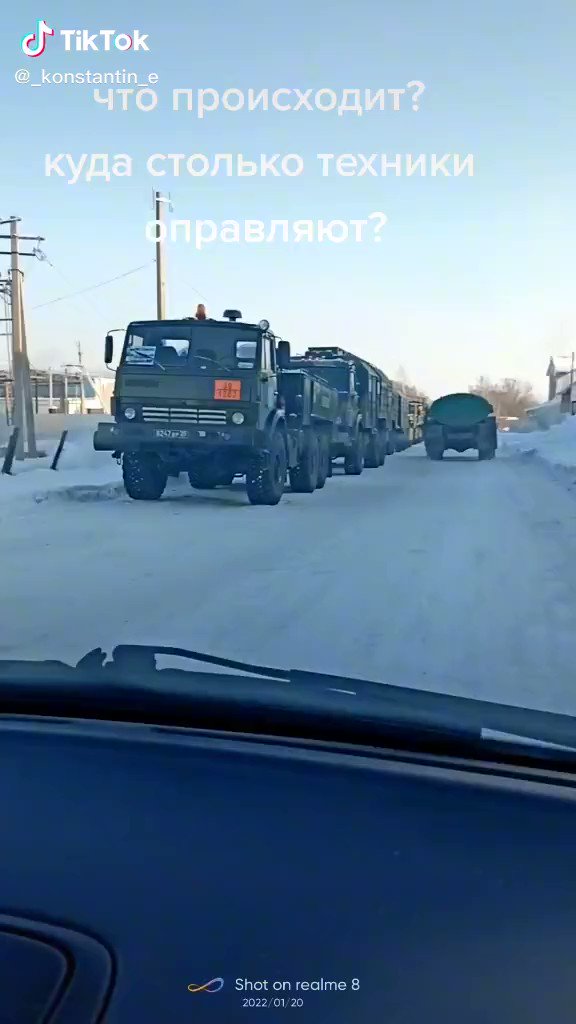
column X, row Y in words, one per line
column 460, row 421
column 215, row 399
column 346, row 440
column 363, row 430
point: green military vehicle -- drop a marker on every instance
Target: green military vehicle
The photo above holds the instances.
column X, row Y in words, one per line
column 460, row 421
column 400, row 418
column 346, row 439
column 365, row 395
column 417, row 409
column 216, row 399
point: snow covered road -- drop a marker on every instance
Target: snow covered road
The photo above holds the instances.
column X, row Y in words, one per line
column 455, row 576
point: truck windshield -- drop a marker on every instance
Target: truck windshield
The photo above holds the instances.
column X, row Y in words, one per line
column 198, row 348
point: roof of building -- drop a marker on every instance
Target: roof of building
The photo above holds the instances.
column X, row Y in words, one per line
column 558, row 365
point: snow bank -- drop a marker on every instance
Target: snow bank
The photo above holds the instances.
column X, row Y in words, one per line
column 80, row 469
column 556, row 446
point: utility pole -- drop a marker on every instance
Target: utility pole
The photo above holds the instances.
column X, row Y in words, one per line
column 160, row 269
column 82, row 404
column 17, row 361
column 572, row 403
column 6, row 319
column 23, row 406
column 28, row 398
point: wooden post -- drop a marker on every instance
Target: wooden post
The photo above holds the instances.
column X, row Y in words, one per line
column 10, row 452
column 58, row 452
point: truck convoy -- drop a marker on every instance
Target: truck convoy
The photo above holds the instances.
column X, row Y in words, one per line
column 361, row 434
column 220, row 398
column 460, row 421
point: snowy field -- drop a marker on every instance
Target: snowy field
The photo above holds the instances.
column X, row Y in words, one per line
column 454, row 576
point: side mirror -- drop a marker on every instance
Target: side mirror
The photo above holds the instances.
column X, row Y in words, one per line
column 283, row 354
column 108, row 349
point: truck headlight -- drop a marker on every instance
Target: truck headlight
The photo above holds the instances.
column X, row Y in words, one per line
column 130, row 414
column 237, row 418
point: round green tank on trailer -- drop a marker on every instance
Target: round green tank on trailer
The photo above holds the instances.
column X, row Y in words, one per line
column 460, row 410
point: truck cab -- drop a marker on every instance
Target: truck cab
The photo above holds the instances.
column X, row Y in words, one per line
column 210, row 398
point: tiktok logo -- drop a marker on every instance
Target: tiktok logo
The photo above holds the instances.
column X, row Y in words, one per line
column 34, row 44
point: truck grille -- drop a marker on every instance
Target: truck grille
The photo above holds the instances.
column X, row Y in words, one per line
column 171, row 414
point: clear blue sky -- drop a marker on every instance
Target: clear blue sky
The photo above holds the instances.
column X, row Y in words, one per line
column 474, row 275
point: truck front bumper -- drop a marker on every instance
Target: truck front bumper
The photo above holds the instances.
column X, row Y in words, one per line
column 123, row 437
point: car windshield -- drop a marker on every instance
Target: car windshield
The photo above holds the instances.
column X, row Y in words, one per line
column 287, row 366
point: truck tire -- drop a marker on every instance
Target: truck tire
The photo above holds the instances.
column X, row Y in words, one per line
column 304, row 476
column 382, row 448
column 266, row 474
column 354, row 458
column 205, row 477
column 371, row 458
column 486, row 453
column 144, row 476
column 324, row 462
column 435, row 454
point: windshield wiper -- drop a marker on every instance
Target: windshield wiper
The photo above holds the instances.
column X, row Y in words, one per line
column 286, row 701
column 209, row 359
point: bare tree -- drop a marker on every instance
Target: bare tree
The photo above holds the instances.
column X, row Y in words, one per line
column 509, row 397
column 409, row 390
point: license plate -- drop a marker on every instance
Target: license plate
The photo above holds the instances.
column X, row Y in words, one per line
column 228, row 390
column 171, row 434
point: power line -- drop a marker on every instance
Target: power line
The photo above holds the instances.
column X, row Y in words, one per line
column 93, row 287
column 87, row 301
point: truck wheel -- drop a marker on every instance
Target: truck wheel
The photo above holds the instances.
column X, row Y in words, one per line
column 371, row 460
column 266, row 474
column 486, row 453
column 205, row 477
column 354, row 458
column 304, row 477
column 324, row 462
column 144, row 476
column 435, row 454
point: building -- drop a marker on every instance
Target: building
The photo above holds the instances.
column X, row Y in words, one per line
column 561, row 375
column 70, row 391
column 562, row 382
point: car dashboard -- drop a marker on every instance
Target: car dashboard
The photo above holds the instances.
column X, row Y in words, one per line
column 160, row 875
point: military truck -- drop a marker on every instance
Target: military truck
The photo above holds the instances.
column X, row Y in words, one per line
column 216, row 399
column 460, row 421
column 346, row 437
column 365, row 400
column 417, row 409
column 399, row 439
